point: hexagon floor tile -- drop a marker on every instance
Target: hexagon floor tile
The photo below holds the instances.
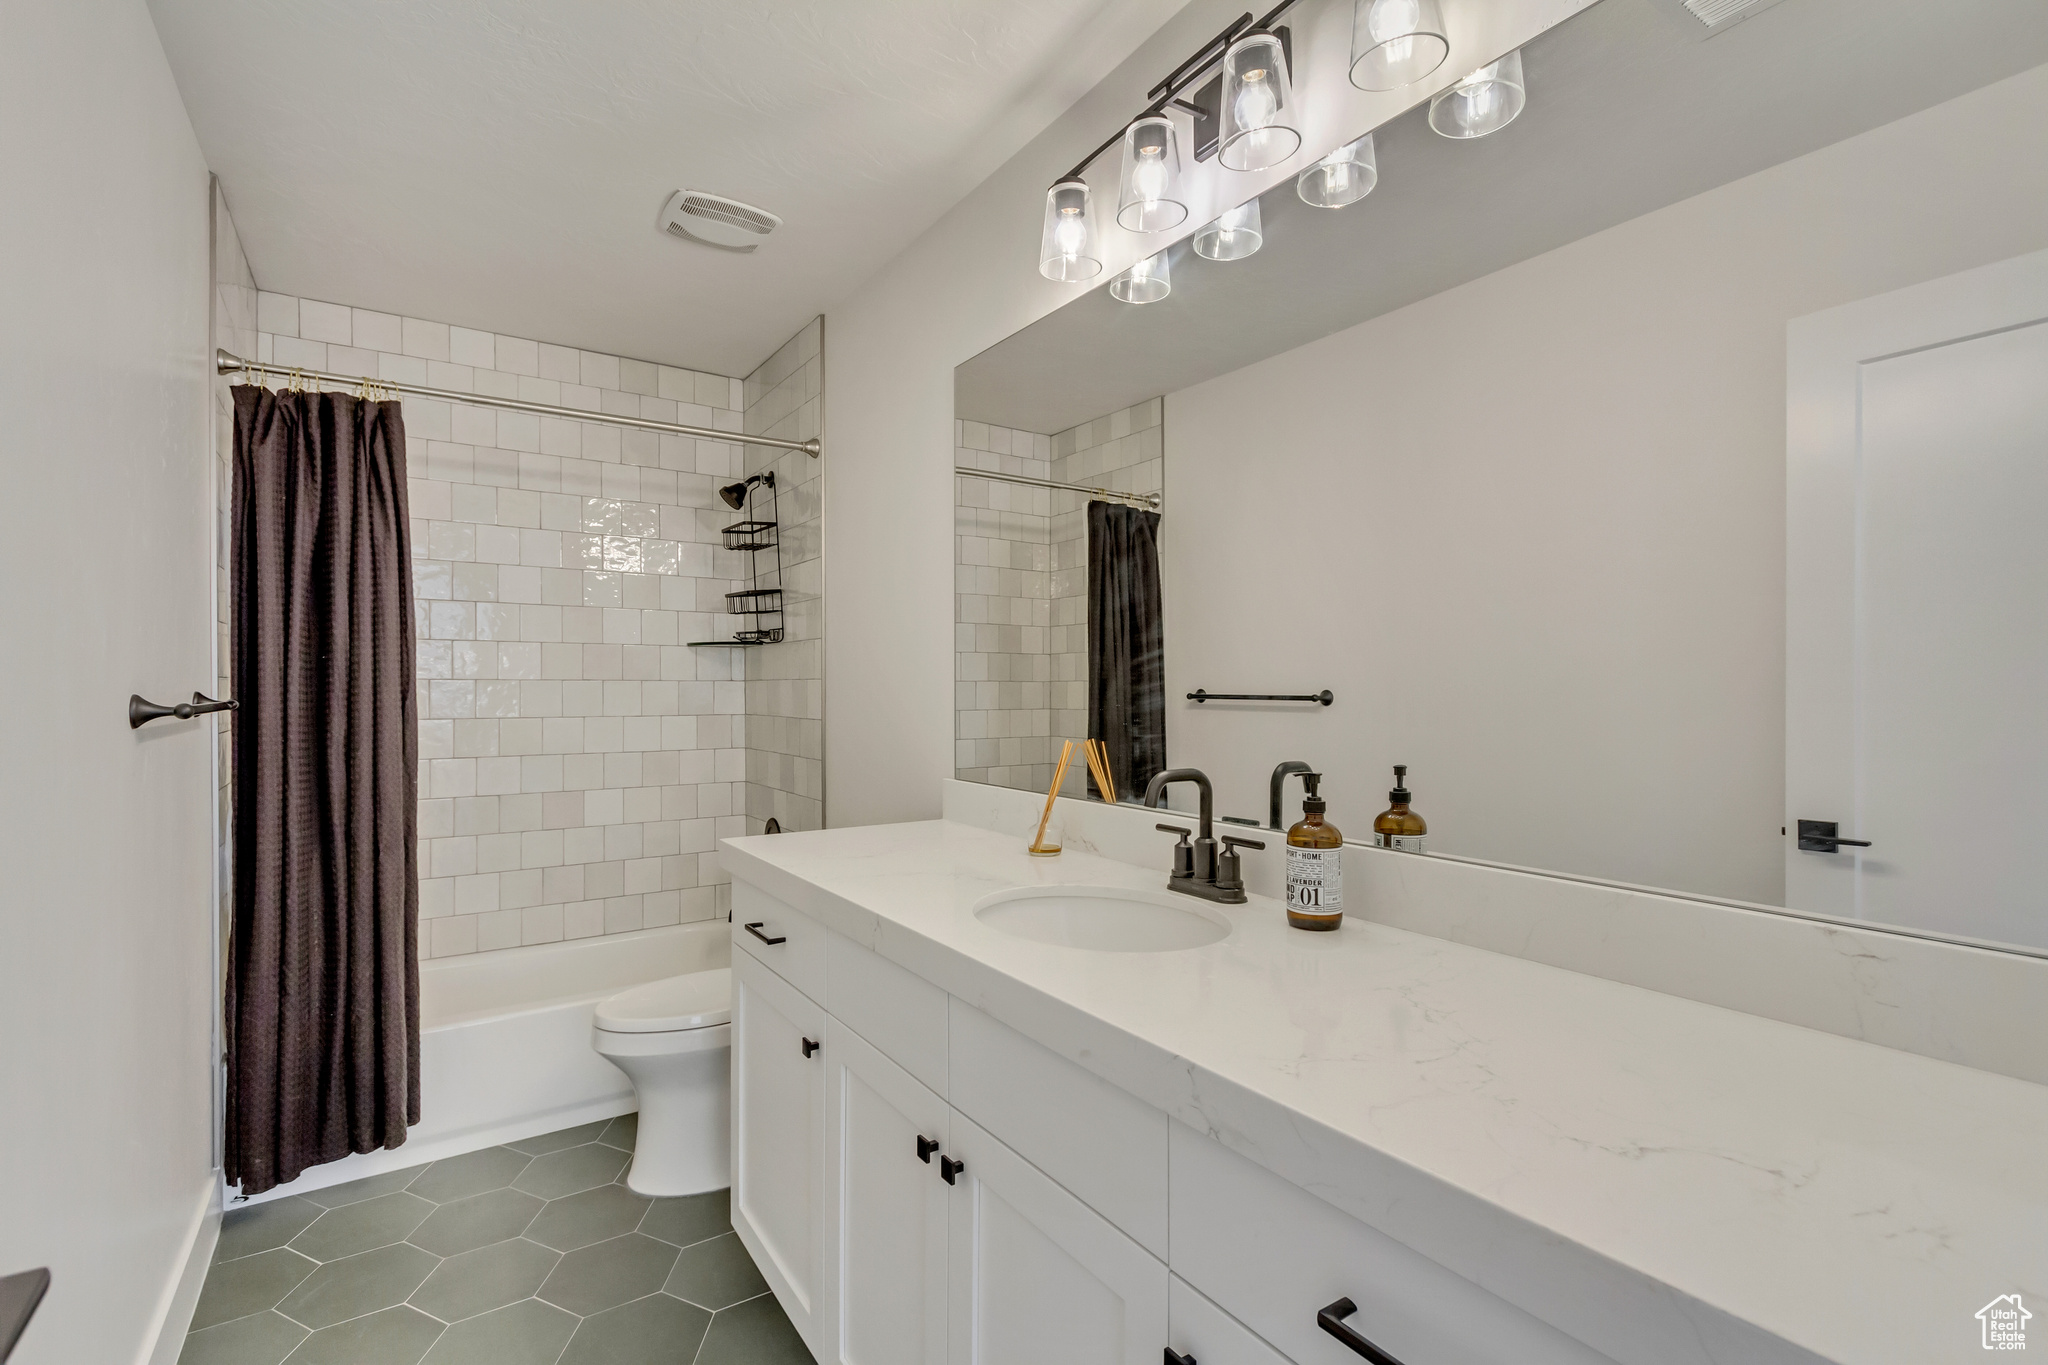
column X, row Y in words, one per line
column 532, row 1253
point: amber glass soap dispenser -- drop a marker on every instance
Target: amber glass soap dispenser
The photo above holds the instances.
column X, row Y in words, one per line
column 1397, row 826
column 1315, row 864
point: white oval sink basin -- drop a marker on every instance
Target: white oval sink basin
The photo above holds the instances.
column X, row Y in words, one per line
column 1104, row 919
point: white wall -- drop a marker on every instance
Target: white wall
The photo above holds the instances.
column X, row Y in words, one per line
column 964, row 285
column 1531, row 530
column 106, row 996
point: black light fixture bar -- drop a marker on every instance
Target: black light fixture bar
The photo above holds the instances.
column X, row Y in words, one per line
column 1184, row 75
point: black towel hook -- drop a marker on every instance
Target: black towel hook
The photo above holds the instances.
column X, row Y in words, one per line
column 141, row 712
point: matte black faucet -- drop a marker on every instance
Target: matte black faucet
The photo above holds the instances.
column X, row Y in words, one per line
column 1292, row 765
column 1200, row 870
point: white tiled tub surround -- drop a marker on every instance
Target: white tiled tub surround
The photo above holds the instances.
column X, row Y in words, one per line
column 785, row 682
column 1021, row 564
column 578, row 761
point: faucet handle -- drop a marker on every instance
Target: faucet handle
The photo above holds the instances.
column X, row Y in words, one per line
column 1229, row 873
column 1232, row 841
column 1183, row 852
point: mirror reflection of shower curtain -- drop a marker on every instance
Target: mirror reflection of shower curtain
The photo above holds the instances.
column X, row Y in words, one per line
column 1126, row 643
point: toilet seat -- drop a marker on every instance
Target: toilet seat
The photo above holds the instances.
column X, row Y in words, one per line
column 696, row 1000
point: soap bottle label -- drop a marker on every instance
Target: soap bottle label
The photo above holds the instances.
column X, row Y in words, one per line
column 1405, row 843
column 1315, row 880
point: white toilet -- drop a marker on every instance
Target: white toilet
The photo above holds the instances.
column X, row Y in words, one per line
column 673, row 1039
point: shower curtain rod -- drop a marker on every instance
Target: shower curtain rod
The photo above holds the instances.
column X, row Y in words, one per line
column 1150, row 500
column 226, row 363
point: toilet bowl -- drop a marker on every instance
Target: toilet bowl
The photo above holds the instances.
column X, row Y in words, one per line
column 673, row 1039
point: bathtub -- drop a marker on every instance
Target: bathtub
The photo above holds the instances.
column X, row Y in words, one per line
column 505, row 1043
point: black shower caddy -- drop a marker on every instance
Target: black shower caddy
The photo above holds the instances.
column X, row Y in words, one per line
column 762, row 606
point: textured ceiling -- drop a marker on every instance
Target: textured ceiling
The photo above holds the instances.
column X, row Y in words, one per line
column 1631, row 107
column 500, row 164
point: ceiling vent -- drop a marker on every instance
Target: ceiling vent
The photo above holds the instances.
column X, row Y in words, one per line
column 714, row 220
column 1721, row 14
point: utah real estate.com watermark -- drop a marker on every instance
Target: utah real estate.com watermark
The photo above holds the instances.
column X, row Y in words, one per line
column 2005, row 1323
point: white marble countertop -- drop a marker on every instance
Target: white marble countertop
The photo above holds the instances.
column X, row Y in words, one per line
column 1671, row 1182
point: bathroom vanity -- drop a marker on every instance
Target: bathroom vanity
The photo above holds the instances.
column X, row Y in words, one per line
column 963, row 1137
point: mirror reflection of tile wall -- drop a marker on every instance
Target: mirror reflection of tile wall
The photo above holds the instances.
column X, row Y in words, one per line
column 1021, row 588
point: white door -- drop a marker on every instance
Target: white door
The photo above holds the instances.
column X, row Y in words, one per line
column 1036, row 1276
column 778, row 1144
column 886, row 1209
column 1917, row 605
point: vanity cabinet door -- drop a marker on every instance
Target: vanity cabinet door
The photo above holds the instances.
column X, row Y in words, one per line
column 778, row 1143
column 1038, row 1277
column 886, row 1209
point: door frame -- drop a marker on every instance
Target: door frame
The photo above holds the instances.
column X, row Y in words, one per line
column 1825, row 356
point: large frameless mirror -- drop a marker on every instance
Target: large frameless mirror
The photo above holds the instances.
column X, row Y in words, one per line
column 1650, row 476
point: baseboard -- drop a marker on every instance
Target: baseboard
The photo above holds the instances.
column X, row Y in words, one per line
column 181, row 1295
column 419, row 1153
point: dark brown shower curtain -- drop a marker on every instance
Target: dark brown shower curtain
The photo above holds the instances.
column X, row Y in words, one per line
column 323, row 975
column 1126, row 644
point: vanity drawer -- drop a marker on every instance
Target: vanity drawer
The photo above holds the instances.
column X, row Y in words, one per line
column 900, row 1013
column 787, row 942
column 1104, row 1145
column 1273, row 1256
column 1205, row 1334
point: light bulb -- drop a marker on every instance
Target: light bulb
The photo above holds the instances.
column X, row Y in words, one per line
column 1391, row 19
column 1255, row 103
column 1149, row 179
column 1071, row 235
column 1066, row 245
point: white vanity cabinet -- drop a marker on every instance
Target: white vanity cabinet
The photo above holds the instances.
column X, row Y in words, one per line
column 924, row 1185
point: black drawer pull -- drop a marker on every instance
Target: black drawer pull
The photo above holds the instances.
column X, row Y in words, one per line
column 811, row 1046
column 755, row 930
column 925, row 1148
column 1174, row 1357
column 1331, row 1320
column 949, row 1169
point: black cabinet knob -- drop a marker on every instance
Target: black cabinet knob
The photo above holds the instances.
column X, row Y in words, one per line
column 1174, row 1357
column 926, row 1147
column 949, row 1169
column 1331, row 1320
column 811, row 1045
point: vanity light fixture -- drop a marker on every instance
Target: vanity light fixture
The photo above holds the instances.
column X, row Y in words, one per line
column 1151, row 198
column 1066, row 248
column 1149, row 281
column 1484, row 102
column 1233, row 236
column 1396, row 42
column 1343, row 177
column 1258, row 104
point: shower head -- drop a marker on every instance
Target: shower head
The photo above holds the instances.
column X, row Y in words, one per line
column 735, row 494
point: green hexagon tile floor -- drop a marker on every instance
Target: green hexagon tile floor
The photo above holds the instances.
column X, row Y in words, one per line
column 534, row 1253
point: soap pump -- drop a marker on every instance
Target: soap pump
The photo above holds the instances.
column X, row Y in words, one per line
column 1315, row 864
column 1397, row 826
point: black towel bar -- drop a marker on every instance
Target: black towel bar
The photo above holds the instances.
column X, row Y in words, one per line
column 1199, row 696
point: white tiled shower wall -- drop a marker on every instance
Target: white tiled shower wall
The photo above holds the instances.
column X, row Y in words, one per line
column 1021, row 570
column 785, row 682
column 578, row 759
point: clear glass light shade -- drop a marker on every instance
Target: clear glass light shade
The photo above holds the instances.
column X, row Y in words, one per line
column 1066, row 248
column 1258, row 105
column 1149, row 281
column 1484, row 102
column 1232, row 237
column 1150, row 199
column 1343, row 177
column 1396, row 42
